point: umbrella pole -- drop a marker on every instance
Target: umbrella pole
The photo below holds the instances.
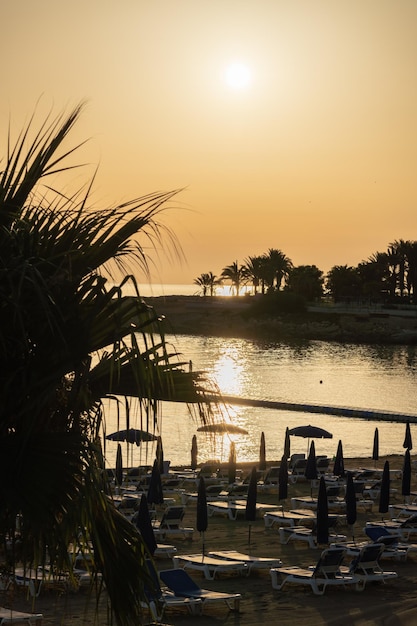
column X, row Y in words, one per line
column 249, row 530
column 204, row 547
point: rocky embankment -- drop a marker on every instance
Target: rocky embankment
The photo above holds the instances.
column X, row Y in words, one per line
column 232, row 317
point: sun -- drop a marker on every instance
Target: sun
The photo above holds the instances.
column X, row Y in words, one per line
column 237, row 75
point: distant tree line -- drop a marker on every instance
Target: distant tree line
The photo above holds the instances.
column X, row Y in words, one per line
column 385, row 277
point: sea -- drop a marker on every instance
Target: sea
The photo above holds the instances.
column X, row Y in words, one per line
column 369, row 377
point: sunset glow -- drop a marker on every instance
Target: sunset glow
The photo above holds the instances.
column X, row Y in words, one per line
column 286, row 125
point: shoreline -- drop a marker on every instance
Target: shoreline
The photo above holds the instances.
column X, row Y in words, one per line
column 233, row 317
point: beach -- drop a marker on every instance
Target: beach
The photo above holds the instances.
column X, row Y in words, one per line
column 390, row 604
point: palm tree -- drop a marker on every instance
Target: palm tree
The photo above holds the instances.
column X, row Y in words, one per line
column 236, row 275
column 68, row 339
column 208, row 282
column 278, row 267
column 253, row 269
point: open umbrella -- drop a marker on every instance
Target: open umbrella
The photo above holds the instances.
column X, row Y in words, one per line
column 194, row 453
column 350, row 499
column 406, row 476
column 250, row 511
column 202, row 516
column 155, row 493
column 287, row 444
column 408, row 442
column 339, row 464
column 143, row 523
column 375, row 449
column 262, row 453
column 283, row 479
column 231, row 466
column 384, row 492
column 310, row 432
column 222, row 428
column 322, row 514
column 132, row 435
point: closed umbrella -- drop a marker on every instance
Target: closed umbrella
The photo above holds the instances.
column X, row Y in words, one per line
column 155, row 492
column 283, row 479
column 408, row 443
column 194, row 453
column 231, row 466
column 119, row 466
column 384, row 492
column 143, row 523
column 322, row 514
column 202, row 517
column 250, row 512
column 350, row 499
column 406, row 477
column 160, row 455
column 375, row 449
column 339, row 464
column 287, row 444
column 310, row 471
column 262, row 453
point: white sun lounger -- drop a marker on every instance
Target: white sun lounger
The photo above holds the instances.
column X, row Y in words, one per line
column 302, row 533
column 253, row 562
column 209, row 565
column 10, row 616
column 289, row 518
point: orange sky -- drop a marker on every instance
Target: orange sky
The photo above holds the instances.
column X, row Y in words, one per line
column 316, row 156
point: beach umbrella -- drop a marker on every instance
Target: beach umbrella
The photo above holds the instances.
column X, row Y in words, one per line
column 310, row 471
column 202, row 516
column 322, row 514
column 119, row 466
column 160, row 455
column 250, row 511
column 406, row 477
column 132, row 435
column 283, row 479
column 350, row 499
column 375, row 449
column 408, row 442
column 144, row 524
column 222, row 427
column 384, row 492
column 231, row 466
column 155, row 493
column 262, row 453
column 339, row 464
column 194, row 453
column 287, row 444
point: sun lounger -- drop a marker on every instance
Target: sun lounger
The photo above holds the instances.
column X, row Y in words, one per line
column 159, row 600
column 182, row 585
column 406, row 527
column 366, row 568
column 10, row 616
column 209, row 565
column 325, row 573
column 302, row 533
column 171, row 524
column 233, row 508
column 402, row 510
column 289, row 518
column 253, row 562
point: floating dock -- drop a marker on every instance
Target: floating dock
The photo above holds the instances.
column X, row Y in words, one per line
column 341, row 411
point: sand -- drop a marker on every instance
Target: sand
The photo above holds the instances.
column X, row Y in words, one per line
column 392, row 604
